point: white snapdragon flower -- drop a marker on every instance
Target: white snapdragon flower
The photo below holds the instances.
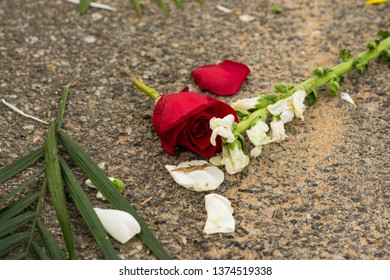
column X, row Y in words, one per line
column 346, row 97
column 196, row 175
column 258, row 136
column 288, row 107
column 277, row 131
column 222, row 127
column 219, row 214
column 245, row 104
column 119, row 224
column 233, row 158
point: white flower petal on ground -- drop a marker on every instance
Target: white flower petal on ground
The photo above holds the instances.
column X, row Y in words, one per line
column 346, row 97
column 219, row 214
column 196, row 175
column 223, row 128
column 119, row 224
column 245, row 104
column 258, row 136
column 224, row 9
column 233, row 158
column 277, row 131
column 246, row 18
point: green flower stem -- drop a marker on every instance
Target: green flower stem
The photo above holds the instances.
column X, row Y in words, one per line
column 315, row 82
column 343, row 68
column 246, row 124
column 144, row 88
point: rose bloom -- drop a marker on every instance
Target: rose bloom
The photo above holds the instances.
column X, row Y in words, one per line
column 182, row 119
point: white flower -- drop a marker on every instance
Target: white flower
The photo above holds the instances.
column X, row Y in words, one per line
column 219, row 214
column 245, row 104
column 117, row 183
column 288, row 107
column 233, row 158
column 345, row 96
column 196, row 175
column 277, row 131
column 222, row 127
column 119, row 224
column 258, row 136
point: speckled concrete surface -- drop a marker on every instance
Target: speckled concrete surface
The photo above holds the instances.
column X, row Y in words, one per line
column 322, row 194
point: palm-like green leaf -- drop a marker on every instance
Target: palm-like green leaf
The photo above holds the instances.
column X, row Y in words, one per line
column 136, row 6
column 86, row 209
column 20, row 187
column 9, row 243
column 178, row 4
column 19, row 165
column 17, row 207
column 15, row 223
column 107, row 188
column 56, row 188
column 39, row 253
column 162, row 5
column 53, row 250
column 19, row 256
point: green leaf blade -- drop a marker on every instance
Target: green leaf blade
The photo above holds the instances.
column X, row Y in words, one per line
column 56, row 188
column 136, row 7
column 20, row 187
column 39, row 253
column 162, row 5
column 51, row 245
column 86, row 209
column 9, row 243
column 19, row 165
column 178, row 4
column 112, row 194
column 15, row 223
column 15, row 208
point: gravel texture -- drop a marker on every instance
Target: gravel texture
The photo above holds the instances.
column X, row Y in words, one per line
column 322, row 194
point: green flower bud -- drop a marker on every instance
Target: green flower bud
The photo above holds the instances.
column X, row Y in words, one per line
column 371, row 46
column 119, row 184
column 345, row 54
column 319, row 72
column 334, row 87
column 276, row 9
column 282, row 88
column 312, row 97
column 384, row 33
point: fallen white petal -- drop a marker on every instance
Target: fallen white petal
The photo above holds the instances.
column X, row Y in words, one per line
column 246, row 18
column 119, row 224
column 95, row 5
column 219, row 214
column 346, row 97
column 204, row 179
column 13, row 108
column 224, row 9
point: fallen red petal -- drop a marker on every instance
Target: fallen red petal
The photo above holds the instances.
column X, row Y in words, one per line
column 224, row 78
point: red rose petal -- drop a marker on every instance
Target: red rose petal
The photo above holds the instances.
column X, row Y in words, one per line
column 223, row 79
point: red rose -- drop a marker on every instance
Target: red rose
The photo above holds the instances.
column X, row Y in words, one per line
column 182, row 119
column 224, row 78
